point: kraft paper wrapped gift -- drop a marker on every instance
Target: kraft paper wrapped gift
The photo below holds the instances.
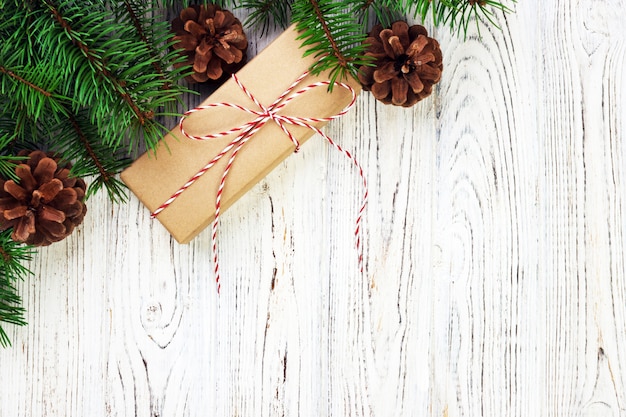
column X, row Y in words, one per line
column 155, row 176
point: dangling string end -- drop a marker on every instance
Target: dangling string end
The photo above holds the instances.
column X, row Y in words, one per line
column 247, row 130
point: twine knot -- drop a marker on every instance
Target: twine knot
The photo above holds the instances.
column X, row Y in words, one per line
column 247, row 131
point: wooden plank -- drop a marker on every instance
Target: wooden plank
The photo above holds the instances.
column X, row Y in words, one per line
column 494, row 280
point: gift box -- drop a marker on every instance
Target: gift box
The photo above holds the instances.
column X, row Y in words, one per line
column 156, row 175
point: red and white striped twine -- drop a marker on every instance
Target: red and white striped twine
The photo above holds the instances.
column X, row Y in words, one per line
column 247, row 131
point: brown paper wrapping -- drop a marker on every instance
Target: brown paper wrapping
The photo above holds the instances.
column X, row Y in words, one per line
column 155, row 176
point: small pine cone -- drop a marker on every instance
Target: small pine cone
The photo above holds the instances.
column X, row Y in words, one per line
column 46, row 204
column 212, row 41
column 407, row 64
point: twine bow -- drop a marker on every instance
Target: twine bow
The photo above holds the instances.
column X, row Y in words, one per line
column 248, row 129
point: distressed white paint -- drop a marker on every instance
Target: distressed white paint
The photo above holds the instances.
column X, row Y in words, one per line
column 495, row 279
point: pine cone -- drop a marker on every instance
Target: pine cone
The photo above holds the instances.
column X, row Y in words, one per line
column 407, row 64
column 213, row 41
column 46, row 205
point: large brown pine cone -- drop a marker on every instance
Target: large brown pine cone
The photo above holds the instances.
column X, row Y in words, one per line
column 407, row 63
column 46, row 204
column 212, row 40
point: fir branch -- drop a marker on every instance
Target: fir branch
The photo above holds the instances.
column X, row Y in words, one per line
column 25, row 82
column 89, row 150
column 105, row 67
column 457, row 14
column 8, row 162
column 28, row 92
column 329, row 31
column 78, row 141
column 13, row 255
column 267, row 13
column 385, row 14
column 156, row 37
column 341, row 59
column 462, row 15
column 119, row 86
column 136, row 12
column 136, row 21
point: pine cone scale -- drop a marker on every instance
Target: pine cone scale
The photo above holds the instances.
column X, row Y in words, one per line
column 418, row 45
column 219, row 20
column 430, row 74
column 385, row 36
column 214, row 70
column 195, row 29
column 186, row 43
column 7, row 203
column 385, row 73
column 44, row 170
column 381, row 90
column 188, row 14
column 27, row 181
column 414, row 81
column 366, row 75
column 65, row 198
column 202, row 61
column 73, row 210
column 53, row 231
column 225, row 53
column 15, row 212
column 51, row 214
column 401, row 30
column 399, row 91
column 424, row 58
column 25, row 227
column 396, row 46
column 15, row 190
column 49, row 191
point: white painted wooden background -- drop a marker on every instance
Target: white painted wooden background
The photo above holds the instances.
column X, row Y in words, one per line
column 495, row 242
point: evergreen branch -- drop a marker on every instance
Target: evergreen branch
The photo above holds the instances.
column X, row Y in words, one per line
column 136, row 21
column 89, row 149
column 341, row 59
column 330, row 32
column 28, row 93
column 78, row 141
column 25, row 82
column 7, row 167
column 10, row 310
column 384, row 13
column 105, row 67
column 12, row 257
column 264, row 12
column 156, row 37
column 455, row 13
column 462, row 15
column 134, row 16
column 8, row 162
column 119, row 86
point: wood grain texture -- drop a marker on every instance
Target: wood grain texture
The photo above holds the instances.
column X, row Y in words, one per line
column 494, row 281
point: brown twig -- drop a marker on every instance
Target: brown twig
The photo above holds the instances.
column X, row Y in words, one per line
column 343, row 61
column 103, row 172
column 24, row 81
column 144, row 39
